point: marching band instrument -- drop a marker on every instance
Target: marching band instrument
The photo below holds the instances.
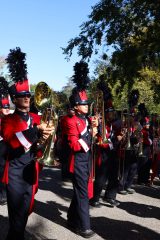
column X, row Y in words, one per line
column 104, row 139
column 140, row 152
column 139, row 135
column 94, row 123
column 43, row 100
column 128, row 145
column 125, row 130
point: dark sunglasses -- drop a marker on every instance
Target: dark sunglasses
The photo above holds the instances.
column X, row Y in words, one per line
column 24, row 96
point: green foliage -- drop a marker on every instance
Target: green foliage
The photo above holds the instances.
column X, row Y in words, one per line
column 60, row 101
column 131, row 28
column 32, row 87
column 92, row 90
column 67, row 90
column 151, row 78
column 148, row 85
column 2, row 62
column 2, row 65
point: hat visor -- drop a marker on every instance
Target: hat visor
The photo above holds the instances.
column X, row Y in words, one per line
column 5, row 106
column 23, row 94
column 85, row 102
column 110, row 110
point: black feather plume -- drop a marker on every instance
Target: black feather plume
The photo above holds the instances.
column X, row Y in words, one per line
column 80, row 77
column 104, row 88
column 3, row 87
column 133, row 98
column 142, row 109
column 16, row 64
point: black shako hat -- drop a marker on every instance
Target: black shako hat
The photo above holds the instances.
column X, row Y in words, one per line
column 78, row 97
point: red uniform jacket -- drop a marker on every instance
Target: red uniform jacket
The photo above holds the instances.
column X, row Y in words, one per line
column 16, row 133
column 76, row 128
column 146, row 137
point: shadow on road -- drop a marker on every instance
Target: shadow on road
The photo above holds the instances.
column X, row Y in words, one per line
column 106, row 228
column 153, row 192
column 141, row 210
column 51, row 211
column 50, row 180
column 28, row 235
column 110, row 229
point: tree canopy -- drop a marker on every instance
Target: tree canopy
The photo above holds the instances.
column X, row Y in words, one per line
column 131, row 27
column 117, row 22
column 131, row 30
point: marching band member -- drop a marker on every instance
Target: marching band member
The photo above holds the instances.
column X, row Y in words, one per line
column 130, row 157
column 20, row 131
column 107, row 159
column 79, row 140
column 156, row 147
column 144, row 165
column 4, row 110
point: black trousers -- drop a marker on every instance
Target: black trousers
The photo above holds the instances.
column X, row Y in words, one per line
column 19, row 193
column 107, row 172
column 78, row 212
column 64, row 156
column 3, row 152
column 144, row 166
column 128, row 169
column 2, row 191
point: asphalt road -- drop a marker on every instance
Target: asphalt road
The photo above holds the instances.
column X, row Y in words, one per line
column 136, row 218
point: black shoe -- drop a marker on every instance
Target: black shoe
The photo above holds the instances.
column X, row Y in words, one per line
column 94, row 203
column 130, row 190
column 65, row 179
column 141, row 183
column 112, row 202
column 86, row 233
column 123, row 192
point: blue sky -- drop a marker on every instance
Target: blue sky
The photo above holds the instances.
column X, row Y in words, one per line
column 40, row 28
